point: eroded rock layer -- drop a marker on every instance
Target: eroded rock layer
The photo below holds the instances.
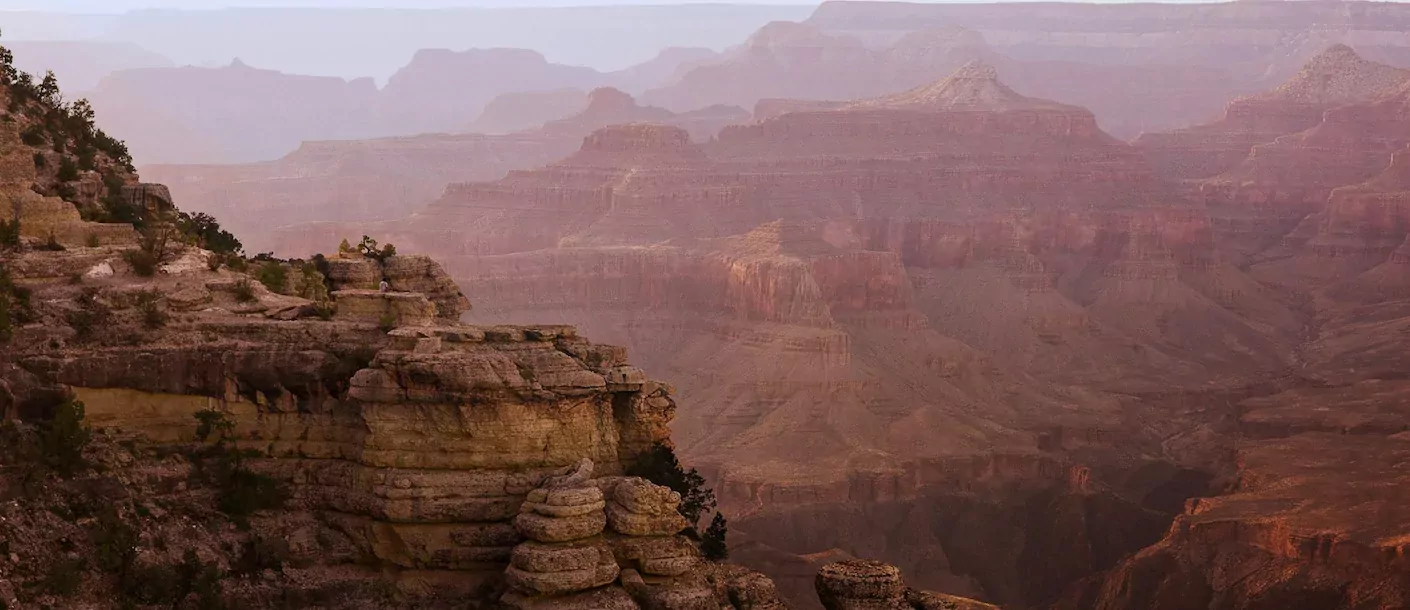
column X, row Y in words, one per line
column 886, row 303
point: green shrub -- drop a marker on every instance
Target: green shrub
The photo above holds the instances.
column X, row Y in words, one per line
column 660, row 466
column 10, row 234
column 52, row 244
column 315, row 282
column 368, row 247
column 68, row 170
column 274, row 276
column 713, row 544
column 63, row 438
column 33, row 135
column 203, row 230
column 387, row 322
column 116, row 206
column 236, row 263
column 114, row 541
column 87, row 156
column 325, row 310
column 149, row 305
column 152, row 250
column 214, row 262
column 244, row 291
column 90, row 316
column 213, row 425
column 240, row 491
column 244, row 492
column 143, row 263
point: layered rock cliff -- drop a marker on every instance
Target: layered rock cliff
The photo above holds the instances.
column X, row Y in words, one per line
column 1334, row 77
column 913, row 305
column 186, row 424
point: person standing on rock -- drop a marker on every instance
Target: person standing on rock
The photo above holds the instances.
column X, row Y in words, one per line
column 384, row 286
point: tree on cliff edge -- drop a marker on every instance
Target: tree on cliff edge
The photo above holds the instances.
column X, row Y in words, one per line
column 712, row 544
column 660, row 466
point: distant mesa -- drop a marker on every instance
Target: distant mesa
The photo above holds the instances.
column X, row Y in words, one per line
column 975, row 86
column 1337, row 75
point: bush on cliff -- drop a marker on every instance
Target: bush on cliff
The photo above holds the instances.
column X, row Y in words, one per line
column 241, row 491
column 65, row 122
column 63, row 438
column 274, row 275
column 713, row 544
column 660, row 466
column 202, row 230
column 91, row 315
column 368, row 247
column 149, row 305
column 10, row 234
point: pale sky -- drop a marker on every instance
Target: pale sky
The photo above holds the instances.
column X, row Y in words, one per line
column 113, row 6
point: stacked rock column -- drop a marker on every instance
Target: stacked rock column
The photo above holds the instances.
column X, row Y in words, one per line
column 648, row 520
column 565, row 553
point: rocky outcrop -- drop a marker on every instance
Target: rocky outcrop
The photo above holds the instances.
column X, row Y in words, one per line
column 1334, row 77
column 859, row 584
column 576, row 552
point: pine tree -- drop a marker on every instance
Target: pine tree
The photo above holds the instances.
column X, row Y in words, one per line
column 713, row 544
column 660, row 466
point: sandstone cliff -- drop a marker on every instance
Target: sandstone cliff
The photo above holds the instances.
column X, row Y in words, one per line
column 291, row 414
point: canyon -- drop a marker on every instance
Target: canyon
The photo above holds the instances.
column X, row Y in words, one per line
column 905, row 340
column 948, row 311
column 385, row 178
column 184, row 426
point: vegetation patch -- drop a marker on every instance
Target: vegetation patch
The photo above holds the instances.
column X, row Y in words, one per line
column 660, row 466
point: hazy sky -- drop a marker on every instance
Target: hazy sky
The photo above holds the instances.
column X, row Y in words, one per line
column 111, row 6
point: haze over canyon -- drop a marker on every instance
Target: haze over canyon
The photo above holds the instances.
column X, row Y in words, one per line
column 860, row 305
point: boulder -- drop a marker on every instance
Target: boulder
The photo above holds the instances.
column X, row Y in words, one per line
column 544, row 528
column 640, row 508
column 560, row 569
column 860, row 584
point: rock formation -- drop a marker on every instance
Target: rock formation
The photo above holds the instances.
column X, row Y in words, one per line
column 872, row 585
column 798, row 280
column 368, row 429
column 1334, row 77
column 799, row 61
column 380, row 179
